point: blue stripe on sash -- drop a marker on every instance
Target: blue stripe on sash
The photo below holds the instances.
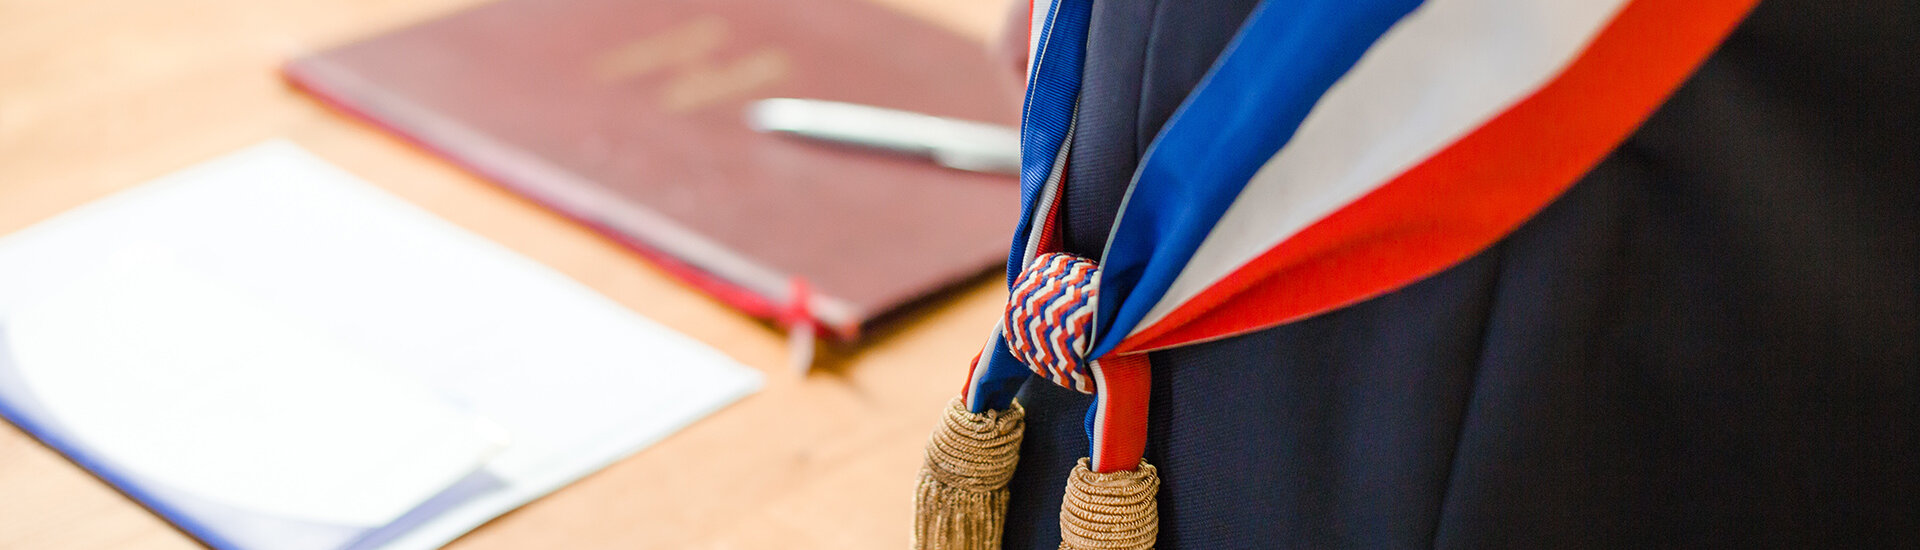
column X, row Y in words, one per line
column 1250, row 103
column 996, row 388
column 1052, row 89
column 1051, row 93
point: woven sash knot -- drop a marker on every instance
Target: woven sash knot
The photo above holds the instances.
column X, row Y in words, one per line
column 1049, row 321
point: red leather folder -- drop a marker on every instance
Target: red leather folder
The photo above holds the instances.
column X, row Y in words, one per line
column 628, row 117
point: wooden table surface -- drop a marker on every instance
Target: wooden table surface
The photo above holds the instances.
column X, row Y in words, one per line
column 100, row 95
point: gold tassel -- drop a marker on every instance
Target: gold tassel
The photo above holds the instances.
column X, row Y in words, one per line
column 1113, row 511
column 962, row 500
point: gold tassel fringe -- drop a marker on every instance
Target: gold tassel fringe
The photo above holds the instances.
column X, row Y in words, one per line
column 962, row 499
column 1113, row 511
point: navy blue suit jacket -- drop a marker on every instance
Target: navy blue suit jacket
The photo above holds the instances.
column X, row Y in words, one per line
column 1713, row 339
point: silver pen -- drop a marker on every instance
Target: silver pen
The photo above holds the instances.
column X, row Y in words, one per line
column 955, row 143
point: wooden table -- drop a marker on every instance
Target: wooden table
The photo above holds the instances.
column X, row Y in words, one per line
column 100, row 95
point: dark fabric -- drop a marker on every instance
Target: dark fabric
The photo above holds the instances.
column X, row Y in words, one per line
column 1712, row 340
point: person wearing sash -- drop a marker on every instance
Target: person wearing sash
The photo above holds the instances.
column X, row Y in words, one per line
column 1453, row 273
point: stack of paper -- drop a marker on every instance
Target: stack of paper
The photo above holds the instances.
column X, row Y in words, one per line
column 274, row 354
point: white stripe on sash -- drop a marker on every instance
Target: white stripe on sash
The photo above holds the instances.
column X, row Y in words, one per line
column 1437, row 75
column 1035, row 20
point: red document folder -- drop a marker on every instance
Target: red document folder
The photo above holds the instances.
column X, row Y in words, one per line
column 628, row 117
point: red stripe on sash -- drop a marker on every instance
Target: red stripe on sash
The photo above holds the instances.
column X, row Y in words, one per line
column 1120, row 437
column 1050, row 228
column 1469, row 195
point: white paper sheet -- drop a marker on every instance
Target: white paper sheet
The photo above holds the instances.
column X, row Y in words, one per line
column 573, row 379
column 185, row 383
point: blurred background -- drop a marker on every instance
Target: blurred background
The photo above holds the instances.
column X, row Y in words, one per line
column 100, row 96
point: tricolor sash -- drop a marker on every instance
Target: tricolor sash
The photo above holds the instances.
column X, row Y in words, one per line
column 1336, row 150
